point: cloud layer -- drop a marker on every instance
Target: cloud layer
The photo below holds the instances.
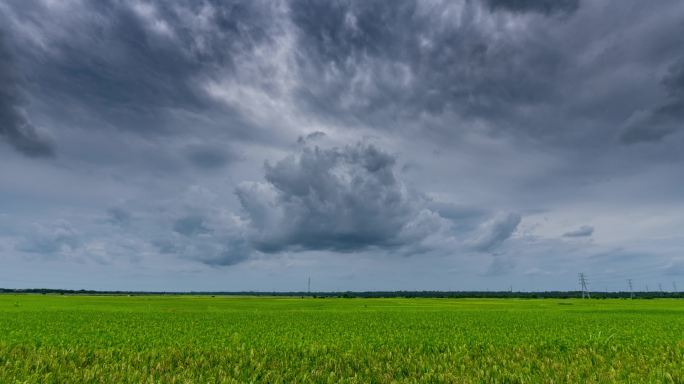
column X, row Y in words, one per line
column 412, row 145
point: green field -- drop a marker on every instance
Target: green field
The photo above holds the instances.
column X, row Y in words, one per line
column 180, row 339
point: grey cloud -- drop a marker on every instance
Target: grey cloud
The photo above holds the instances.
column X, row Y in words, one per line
column 466, row 218
column 129, row 65
column 546, row 7
column 15, row 127
column 652, row 125
column 210, row 250
column 50, row 239
column 209, row 157
column 341, row 199
column 311, row 136
column 501, row 265
column 513, row 106
column 418, row 61
column 495, row 231
column 119, row 216
column 583, row 231
column 675, row 269
column 236, row 250
column 190, row 226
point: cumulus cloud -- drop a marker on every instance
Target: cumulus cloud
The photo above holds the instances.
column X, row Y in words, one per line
column 583, row 231
column 341, row 199
column 495, row 231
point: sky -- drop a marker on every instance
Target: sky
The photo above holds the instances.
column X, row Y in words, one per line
column 202, row 145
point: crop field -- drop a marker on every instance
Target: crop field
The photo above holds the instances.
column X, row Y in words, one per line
column 181, row 339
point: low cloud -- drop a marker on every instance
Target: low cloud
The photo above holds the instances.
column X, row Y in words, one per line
column 341, row 199
column 50, row 239
column 495, row 231
column 583, row 231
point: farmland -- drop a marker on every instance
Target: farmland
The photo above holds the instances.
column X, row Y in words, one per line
column 167, row 339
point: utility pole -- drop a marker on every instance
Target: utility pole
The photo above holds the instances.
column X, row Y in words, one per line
column 631, row 292
column 583, row 284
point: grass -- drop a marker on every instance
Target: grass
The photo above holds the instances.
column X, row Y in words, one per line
column 171, row 339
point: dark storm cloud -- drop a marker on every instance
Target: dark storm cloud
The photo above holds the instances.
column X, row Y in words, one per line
column 583, row 231
column 15, row 127
column 379, row 62
column 127, row 64
column 341, row 199
column 654, row 124
column 547, row 7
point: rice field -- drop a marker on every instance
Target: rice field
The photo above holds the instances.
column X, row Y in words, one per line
column 182, row 339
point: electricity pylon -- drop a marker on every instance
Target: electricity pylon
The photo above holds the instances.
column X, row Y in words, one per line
column 583, row 284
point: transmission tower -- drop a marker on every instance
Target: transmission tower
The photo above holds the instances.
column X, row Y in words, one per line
column 308, row 286
column 674, row 287
column 631, row 292
column 660, row 288
column 583, row 284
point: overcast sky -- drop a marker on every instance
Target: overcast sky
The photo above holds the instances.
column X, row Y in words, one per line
column 371, row 145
